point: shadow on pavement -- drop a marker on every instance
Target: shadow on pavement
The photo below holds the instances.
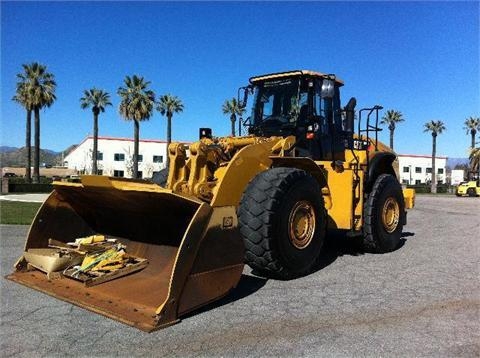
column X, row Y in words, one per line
column 336, row 245
column 247, row 286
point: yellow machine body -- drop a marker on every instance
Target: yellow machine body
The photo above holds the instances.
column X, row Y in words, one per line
column 470, row 188
column 188, row 230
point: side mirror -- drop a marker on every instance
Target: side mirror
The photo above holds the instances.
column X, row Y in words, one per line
column 328, row 89
column 242, row 102
column 350, row 114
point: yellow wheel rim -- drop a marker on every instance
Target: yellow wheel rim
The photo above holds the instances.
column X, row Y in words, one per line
column 301, row 224
column 390, row 215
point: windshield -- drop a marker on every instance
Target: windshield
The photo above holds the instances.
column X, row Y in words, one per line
column 277, row 102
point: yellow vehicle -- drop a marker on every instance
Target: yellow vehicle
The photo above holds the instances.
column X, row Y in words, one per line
column 268, row 199
column 470, row 188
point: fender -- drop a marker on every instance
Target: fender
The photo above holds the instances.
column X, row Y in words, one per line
column 303, row 163
column 381, row 163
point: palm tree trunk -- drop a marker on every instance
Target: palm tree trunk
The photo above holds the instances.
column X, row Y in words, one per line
column 434, row 153
column 239, row 126
column 169, row 135
column 95, row 143
column 36, row 156
column 473, row 133
column 28, row 146
column 233, row 119
column 136, row 136
column 391, row 138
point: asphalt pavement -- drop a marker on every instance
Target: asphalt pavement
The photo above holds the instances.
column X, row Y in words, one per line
column 27, row 197
column 422, row 300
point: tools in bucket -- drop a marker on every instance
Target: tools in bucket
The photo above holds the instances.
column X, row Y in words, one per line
column 91, row 260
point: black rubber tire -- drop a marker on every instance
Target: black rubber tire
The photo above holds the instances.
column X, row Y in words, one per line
column 471, row 192
column 376, row 238
column 160, row 177
column 263, row 216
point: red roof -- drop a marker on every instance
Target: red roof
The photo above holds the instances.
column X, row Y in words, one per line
column 125, row 139
column 120, row 139
column 420, row 156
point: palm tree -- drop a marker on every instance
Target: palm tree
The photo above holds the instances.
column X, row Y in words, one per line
column 436, row 127
column 472, row 125
column 232, row 108
column 98, row 100
column 136, row 105
column 21, row 97
column 39, row 88
column 168, row 105
column 391, row 118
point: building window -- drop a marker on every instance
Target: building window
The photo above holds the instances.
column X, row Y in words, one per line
column 440, row 182
column 99, row 156
column 429, row 170
column 405, row 181
column 406, row 169
column 140, row 158
column 418, row 169
column 158, row 158
column 139, row 175
column 440, row 170
column 118, row 173
column 418, row 181
column 119, row 157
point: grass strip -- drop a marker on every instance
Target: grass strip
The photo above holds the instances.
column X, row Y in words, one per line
column 17, row 212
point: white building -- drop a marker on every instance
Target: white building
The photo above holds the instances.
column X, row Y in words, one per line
column 115, row 157
column 417, row 169
column 457, row 176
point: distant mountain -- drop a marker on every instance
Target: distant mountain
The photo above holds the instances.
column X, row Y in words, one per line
column 17, row 157
column 453, row 162
column 6, row 149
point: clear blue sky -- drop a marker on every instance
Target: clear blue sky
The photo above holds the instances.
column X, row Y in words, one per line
column 419, row 58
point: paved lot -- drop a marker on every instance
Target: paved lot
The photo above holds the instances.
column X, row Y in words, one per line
column 32, row 198
column 421, row 300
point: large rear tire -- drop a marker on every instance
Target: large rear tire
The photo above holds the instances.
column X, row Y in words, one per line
column 384, row 212
column 471, row 192
column 282, row 221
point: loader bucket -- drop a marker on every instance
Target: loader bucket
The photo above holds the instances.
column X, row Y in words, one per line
column 194, row 251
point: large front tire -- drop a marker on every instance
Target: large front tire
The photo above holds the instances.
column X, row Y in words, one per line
column 282, row 221
column 384, row 212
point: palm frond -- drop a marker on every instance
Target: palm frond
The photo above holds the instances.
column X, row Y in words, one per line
column 169, row 104
column 137, row 101
column 435, row 127
column 36, row 85
column 232, row 107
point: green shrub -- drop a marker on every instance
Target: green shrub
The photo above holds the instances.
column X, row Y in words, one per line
column 29, row 188
column 425, row 188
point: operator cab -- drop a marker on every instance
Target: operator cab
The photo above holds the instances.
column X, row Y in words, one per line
column 305, row 104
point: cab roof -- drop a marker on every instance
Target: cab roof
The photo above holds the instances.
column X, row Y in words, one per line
column 286, row 74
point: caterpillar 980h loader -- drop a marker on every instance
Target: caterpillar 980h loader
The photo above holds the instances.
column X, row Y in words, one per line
column 267, row 199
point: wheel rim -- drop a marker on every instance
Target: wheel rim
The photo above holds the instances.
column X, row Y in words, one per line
column 301, row 224
column 390, row 214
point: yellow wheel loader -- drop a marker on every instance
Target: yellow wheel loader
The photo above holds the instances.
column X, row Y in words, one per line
column 469, row 188
column 267, row 199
